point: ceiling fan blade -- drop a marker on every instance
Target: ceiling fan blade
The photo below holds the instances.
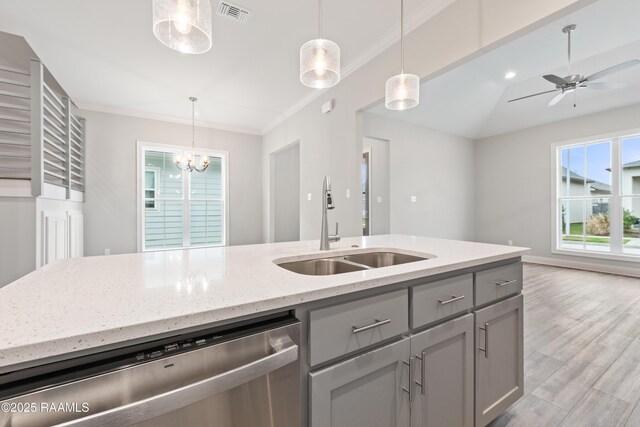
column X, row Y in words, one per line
column 556, row 80
column 614, row 69
column 605, row 85
column 558, row 98
column 535, row 94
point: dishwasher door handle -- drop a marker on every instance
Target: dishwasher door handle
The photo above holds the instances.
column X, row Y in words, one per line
column 172, row 400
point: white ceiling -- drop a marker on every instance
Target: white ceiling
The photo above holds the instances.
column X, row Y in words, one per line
column 105, row 56
column 471, row 100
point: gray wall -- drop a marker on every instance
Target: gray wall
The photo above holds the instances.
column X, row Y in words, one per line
column 331, row 144
column 286, row 194
column 18, row 237
column 436, row 167
column 513, row 180
column 379, row 186
column 110, row 199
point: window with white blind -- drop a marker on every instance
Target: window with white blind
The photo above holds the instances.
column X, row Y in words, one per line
column 180, row 209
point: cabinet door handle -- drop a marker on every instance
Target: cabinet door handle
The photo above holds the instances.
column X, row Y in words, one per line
column 410, row 389
column 375, row 324
column 453, row 298
column 422, row 383
column 486, row 340
column 505, row 283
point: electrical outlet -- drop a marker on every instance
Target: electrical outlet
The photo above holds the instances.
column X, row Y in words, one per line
column 308, row 196
column 414, row 199
column 379, row 199
column 510, row 242
column 107, row 251
column 348, row 193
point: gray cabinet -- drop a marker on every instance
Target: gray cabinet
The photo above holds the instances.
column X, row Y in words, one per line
column 443, row 375
column 499, row 358
column 365, row 391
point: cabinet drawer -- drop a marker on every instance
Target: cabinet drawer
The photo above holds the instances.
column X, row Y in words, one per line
column 437, row 300
column 344, row 328
column 498, row 282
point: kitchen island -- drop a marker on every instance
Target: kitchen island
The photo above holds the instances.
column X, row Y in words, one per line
column 80, row 306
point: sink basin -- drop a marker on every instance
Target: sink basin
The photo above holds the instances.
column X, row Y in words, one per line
column 383, row 259
column 350, row 262
column 322, row 267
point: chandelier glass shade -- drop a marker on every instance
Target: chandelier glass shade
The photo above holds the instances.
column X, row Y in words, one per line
column 320, row 60
column 188, row 161
column 183, row 25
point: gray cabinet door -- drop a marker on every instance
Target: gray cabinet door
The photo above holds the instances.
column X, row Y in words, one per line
column 499, row 358
column 444, row 366
column 364, row 391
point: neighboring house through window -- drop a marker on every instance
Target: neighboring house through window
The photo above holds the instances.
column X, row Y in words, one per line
column 597, row 197
column 180, row 209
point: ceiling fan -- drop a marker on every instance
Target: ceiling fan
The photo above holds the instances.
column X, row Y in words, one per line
column 572, row 82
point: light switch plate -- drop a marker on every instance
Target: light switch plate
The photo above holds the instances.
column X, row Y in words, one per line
column 414, row 199
column 348, row 193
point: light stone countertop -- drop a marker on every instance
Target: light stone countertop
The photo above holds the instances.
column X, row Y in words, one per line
column 75, row 305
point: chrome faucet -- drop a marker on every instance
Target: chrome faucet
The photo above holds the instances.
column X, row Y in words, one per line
column 327, row 204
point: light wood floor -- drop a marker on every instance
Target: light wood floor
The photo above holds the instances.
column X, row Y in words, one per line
column 581, row 350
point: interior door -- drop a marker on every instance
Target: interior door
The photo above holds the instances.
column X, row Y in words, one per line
column 499, row 358
column 364, row 391
column 443, row 379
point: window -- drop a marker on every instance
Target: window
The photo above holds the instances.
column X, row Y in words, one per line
column 597, row 197
column 150, row 177
column 180, row 209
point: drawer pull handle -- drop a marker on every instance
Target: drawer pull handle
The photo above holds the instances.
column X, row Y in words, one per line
column 410, row 384
column 371, row 326
column 453, row 298
column 486, row 340
column 505, row 283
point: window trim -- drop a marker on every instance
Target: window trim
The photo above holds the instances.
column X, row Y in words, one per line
column 141, row 147
column 615, row 197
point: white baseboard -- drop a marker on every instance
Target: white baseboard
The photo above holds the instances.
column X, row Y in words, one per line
column 581, row 265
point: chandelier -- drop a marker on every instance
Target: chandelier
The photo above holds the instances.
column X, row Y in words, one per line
column 188, row 162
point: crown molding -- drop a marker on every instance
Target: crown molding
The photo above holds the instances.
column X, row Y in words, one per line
column 165, row 118
column 383, row 43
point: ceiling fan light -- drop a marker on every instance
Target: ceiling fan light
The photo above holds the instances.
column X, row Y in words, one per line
column 320, row 63
column 402, row 92
column 183, row 25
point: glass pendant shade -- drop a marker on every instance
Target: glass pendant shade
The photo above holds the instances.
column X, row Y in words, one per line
column 183, row 25
column 402, row 92
column 319, row 63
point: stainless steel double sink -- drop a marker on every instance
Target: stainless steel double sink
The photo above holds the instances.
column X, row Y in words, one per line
column 351, row 262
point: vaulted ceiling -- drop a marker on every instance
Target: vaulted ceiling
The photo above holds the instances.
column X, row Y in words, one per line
column 471, row 100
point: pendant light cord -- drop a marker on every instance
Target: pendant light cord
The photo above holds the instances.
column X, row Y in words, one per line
column 320, row 18
column 193, row 125
column 402, row 36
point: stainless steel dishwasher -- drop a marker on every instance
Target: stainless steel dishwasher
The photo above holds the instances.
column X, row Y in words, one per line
column 248, row 375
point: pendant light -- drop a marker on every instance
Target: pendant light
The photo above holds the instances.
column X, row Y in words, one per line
column 319, row 60
column 183, row 25
column 188, row 162
column 402, row 90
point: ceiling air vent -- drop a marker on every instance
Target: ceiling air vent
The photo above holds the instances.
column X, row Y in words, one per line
column 233, row 11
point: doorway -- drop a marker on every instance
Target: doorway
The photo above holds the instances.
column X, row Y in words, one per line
column 365, row 172
column 285, row 194
column 376, row 186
